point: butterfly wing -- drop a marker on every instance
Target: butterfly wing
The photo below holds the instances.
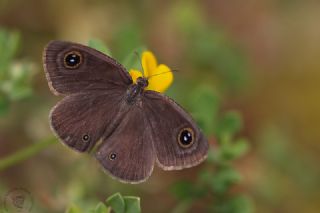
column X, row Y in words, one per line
column 94, row 84
column 127, row 154
column 72, row 68
column 178, row 142
column 80, row 120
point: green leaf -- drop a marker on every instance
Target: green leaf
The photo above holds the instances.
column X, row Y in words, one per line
column 12, row 43
column 9, row 42
column 222, row 180
column 230, row 123
column 100, row 46
column 132, row 204
column 204, row 105
column 133, row 60
column 116, row 202
column 239, row 148
column 19, row 92
column 73, row 209
column 230, row 150
column 101, row 208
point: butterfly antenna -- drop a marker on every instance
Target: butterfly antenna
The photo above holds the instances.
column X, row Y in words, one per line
column 138, row 56
column 162, row 73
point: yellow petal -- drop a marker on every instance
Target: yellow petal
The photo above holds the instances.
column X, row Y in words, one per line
column 135, row 74
column 149, row 63
column 161, row 79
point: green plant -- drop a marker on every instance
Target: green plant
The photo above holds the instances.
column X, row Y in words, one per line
column 214, row 182
column 15, row 85
column 115, row 203
column 218, row 177
column 212, row 50
column 15, row 75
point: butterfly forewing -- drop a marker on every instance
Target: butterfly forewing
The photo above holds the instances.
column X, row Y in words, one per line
column 80, row 120
column 72, row 68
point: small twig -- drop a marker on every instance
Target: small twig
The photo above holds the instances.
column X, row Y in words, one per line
column 25, row 153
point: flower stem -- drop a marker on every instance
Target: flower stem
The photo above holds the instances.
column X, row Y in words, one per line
column 25, row 153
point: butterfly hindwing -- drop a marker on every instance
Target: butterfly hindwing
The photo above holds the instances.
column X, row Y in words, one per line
column 178, row 142
column 127, row 154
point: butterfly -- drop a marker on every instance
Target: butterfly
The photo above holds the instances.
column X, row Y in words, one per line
column 126, row 127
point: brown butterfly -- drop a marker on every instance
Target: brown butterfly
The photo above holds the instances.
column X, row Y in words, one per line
column 127, row 127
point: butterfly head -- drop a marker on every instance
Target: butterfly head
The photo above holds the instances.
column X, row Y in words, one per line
column 142, row 82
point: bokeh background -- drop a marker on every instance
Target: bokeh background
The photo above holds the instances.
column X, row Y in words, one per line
column 248, row 73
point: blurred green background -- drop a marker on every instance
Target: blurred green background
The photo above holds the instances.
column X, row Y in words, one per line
column 248, row 73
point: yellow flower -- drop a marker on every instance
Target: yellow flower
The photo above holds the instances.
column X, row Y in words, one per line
column 159, row 76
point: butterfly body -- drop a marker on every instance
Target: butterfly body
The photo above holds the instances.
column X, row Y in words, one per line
column 135, row 91
column 130, row 127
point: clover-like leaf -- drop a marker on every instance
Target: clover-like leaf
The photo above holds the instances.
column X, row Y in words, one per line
column 73, row 209
column 132, row 204
column 133, row 59
column 116, row 202
column 101, row 208
column 230, row 123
